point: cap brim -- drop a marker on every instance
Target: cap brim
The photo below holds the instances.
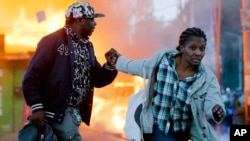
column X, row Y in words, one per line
column 99, row 15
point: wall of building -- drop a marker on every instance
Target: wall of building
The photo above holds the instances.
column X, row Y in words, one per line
column 11, row 97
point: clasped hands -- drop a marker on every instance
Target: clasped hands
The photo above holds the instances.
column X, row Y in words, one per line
column 111, row 57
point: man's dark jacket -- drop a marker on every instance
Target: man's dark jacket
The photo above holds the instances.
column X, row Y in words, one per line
column 48, row 78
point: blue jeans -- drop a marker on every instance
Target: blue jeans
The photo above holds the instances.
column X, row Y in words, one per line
column 157, row 135
column 68, row 130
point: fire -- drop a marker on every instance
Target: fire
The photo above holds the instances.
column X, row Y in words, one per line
column 23, row 35
column 109, row 112
column 137, row 84
column 118, row 119
column 21, row 26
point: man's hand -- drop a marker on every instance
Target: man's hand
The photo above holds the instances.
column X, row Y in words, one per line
column 38, row 118
column 111, row 57
column 218, row 112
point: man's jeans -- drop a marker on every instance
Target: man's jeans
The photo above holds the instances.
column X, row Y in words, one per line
column 68, row 130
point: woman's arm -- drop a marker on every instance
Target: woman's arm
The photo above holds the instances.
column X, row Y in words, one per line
column 133, row 67
column 214, row 105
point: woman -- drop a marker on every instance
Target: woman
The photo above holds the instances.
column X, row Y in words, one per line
column 181, row 92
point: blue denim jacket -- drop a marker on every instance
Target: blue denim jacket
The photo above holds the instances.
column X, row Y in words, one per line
column 205, row 94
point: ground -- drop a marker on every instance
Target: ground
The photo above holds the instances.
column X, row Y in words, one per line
column 88, row 134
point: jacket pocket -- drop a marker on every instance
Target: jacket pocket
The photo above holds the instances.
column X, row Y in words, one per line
column 200, row 100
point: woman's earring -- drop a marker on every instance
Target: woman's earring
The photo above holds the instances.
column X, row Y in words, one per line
column 181, row 48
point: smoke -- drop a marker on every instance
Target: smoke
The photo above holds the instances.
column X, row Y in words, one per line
column 129, row 26
column 132, row 28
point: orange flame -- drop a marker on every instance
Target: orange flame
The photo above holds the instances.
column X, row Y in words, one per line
column 109, row 113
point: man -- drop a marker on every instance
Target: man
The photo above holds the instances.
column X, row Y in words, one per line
column 60, row 79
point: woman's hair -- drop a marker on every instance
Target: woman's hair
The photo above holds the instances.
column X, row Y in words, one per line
column 190, row 32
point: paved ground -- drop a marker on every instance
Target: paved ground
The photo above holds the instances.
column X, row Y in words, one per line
column 87, row 133
column 90, row 134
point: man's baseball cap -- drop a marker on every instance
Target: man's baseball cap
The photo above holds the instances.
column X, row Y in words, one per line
column 81, row 10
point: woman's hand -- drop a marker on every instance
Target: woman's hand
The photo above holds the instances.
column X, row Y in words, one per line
column 218, row 112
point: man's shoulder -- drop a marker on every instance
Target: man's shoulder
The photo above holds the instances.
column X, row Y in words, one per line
column 57, row 37
column 58, row 32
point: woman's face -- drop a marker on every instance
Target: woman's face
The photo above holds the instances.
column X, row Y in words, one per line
column 193, row 50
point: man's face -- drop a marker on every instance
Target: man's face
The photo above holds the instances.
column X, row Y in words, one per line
column 87, row 26
column 193, row 50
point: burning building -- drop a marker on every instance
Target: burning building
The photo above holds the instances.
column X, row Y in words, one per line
column 12, row 68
